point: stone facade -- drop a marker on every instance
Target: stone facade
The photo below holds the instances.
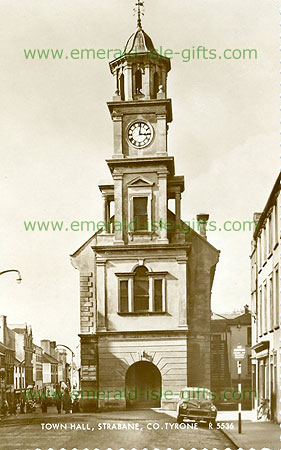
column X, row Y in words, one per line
column 145, row 277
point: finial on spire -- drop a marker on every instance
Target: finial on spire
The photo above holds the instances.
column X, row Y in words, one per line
column 139, row 11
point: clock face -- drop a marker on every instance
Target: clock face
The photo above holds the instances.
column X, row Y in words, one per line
column 140, row 134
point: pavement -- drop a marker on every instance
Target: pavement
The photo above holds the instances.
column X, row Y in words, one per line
column 256, row 434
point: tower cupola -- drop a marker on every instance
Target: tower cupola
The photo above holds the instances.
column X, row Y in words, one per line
column 140, row 72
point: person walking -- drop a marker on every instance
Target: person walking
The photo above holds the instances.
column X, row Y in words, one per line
column 66, row 401
column 58, row 399
column 44, row 403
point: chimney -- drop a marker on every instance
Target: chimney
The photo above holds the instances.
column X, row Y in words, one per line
column 53, row 345
column 202, row 219
column 3, row 326
column 46, row 345
column 256, row 217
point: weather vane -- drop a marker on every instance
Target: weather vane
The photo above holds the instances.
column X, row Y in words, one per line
column 139, row 11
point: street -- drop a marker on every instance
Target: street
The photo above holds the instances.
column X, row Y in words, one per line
column 123, row 429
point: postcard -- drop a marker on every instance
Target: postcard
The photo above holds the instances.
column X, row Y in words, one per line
column 140, row 222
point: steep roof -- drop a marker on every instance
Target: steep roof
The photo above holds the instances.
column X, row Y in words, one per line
column 4, row 348
column 49, row 359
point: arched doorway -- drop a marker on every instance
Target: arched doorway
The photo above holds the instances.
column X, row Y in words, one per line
column 143, row 386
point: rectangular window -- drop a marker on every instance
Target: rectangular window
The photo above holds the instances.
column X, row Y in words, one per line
column 141, row 291
column 260, row 253
column 140, row 213
column 260, row 312
column 271, row 303
column 264, row 244
column 270, row 241
column 276, row 225
column 158, row 295
column 277, row 298
column 124, row 297
column 249, row 335
column 265, row 328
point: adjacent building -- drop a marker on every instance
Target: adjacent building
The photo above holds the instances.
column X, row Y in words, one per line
column 228, row 330
column 7, row 365
column 27, row 366
column 23, row 343
column 49, row 364
column 145, row 277
column 38, row 368
column 265, row 291
column 17, row 344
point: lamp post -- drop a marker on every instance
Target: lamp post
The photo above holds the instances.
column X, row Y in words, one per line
column 21, row 399
column 19, row 279
column 72, row 356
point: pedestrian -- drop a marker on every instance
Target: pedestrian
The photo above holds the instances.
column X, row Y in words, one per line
column 66, row 401
column 22, row 406
column 58, row 399
column 76, row 407
column 44, row 405
column 12, row 408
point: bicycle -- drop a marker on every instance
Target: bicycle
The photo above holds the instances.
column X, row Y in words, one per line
column 263, row 410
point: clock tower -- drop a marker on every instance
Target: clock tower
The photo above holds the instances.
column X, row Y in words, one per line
column 145, row 276
column 140, row 165
column 140, row 109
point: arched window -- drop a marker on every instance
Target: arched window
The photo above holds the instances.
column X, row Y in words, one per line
column 138, row 78
column 141, row 289
column 122, row 88
column 155, row 84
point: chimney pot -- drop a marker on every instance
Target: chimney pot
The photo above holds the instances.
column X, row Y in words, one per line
column 202, row 219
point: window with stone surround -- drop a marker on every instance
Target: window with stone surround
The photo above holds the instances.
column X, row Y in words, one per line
column 142, row 292
column 140, row 218
column 140, row 194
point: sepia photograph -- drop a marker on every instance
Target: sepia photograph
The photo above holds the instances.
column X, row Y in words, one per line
column 141, row 222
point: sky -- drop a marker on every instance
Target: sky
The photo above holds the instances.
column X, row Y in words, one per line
column 56, row 133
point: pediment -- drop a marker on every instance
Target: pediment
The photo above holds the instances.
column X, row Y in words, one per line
column 140, row 182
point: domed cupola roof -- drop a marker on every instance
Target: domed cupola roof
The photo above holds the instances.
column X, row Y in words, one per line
column 139, row 42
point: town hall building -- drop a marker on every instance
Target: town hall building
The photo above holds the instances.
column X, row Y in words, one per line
column 145, row 277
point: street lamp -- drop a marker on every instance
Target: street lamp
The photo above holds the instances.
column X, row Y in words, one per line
column 20, row 380
column 72, row 356
column 19, row 279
